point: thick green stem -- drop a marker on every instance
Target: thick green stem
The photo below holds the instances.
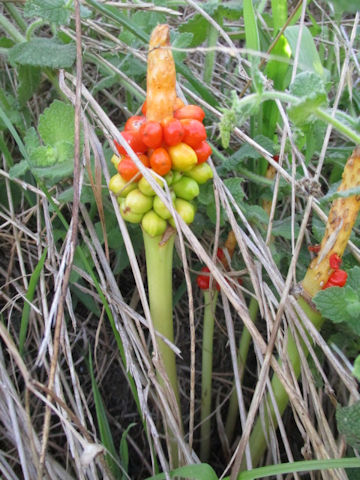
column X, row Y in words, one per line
column 159, row 258
column 9, row 28
column 245, row 339
column 258, row 436
column 210, row 298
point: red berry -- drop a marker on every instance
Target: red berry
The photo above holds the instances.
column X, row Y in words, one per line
column 337, row 279
column 195, row 132
column 160, row 161
column 173, row 131
column 190, row 111
column 203, row 281
column 151, row 134
column 128, row 169
column 134, row 123
column 314, row 248
column 335, row 261
column 134, row 140
column 203, row 152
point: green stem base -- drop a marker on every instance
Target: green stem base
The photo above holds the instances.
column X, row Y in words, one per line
column 210, row 299
column 258, row 436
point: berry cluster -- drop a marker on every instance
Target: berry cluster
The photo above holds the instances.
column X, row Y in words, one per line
column 175, row 149
column 338, row 277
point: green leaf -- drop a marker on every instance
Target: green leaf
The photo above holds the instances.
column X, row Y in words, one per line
column 256, row 214
column 310, row 90
column 329, row 197
column 353, row 279
column 200, row 471
column 348, row 423
column 227, row 125
column 43, row 52
column 19, row 169
column 182, row 40
column 29, row 80
column 198, row 27
column 346, row 6
column 64, row 151
column 330, row 302
column 282, row 228
column 56, row 123
column 53, row 11
column 309, row 59
column 31, row 140
column 235, row 188
column 124, row 451
column 251, row 30
column 43, row 156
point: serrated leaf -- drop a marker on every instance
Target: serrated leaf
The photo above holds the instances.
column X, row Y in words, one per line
column 330, row 302
column 282, row 228
column 348, row 423
column 64, row 151
column 329, row 197
column 43, row 156
column 235, row 188
column 309, row 59
column 43, row 52
column 198, row 27
column 226, row 126
column 54, row 174
column 256, row 214
column 19, row 169
column 353, row 309
column 31, row 140
column 56, row 123
column 53, row 11
column 310, row 90
column 29, row 80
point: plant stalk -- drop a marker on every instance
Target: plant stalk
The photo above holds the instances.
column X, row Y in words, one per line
column 210, row 299
column 244, row 344
column 159, row 260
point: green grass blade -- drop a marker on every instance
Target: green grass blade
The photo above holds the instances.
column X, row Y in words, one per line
column 304, row 466
column 251, row 29
column 104, row 427
column 29, row 298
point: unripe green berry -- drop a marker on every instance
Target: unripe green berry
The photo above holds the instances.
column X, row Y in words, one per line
column 186, row 188
column 137, row 202
column 153, row 224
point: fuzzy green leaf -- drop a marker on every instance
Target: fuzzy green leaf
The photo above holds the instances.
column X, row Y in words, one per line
column 310, row 90
column 19, row 169
column 353, row 279
column 235, row 188
column 348, row 423
column 198, row 27
column 43, row 52
column 53, row 11
column 56, row 123
column 330, row 302
column 31, row 140
column 29, row 80
column 282, row 228
column 227, row 125
column 182, row 40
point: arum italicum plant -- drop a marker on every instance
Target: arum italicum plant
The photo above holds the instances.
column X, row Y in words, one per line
column 323, row 272
column 169, row 139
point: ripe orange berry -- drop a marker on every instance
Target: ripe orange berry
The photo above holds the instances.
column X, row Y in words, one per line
column 190, row 111
column 160, row 161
